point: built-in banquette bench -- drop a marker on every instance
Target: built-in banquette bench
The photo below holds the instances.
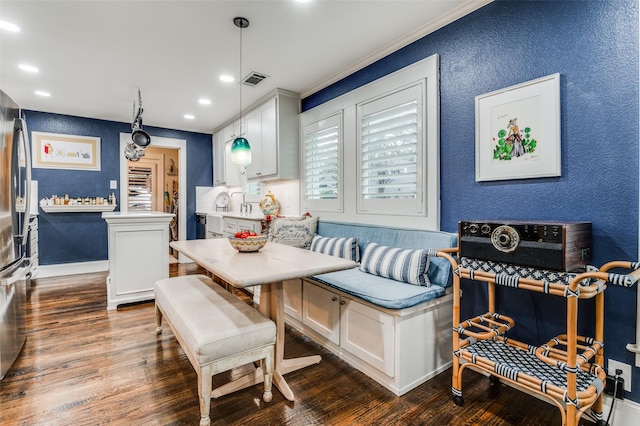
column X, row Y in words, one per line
column 395, row 332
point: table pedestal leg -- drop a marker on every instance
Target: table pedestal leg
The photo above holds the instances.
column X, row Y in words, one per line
column 272, row 305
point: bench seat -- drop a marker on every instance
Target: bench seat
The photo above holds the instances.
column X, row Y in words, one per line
column 380, row 291
column 216, row 330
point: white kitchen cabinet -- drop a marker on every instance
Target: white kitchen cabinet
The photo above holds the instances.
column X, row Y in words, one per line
column 398, row 348
column 368, row 333
column 138, row 255
column 232, row 131
column 219, row 145
column 293, row 298
column 262, row 136
column 363, row 331
column 272, row 129
column 235, row 224
column 321, row 311
column 232, row 172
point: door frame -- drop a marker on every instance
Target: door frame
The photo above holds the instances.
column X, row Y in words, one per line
column 160, row 142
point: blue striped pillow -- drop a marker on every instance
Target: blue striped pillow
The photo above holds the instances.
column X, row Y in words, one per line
column 409, row 266
column 346, row 248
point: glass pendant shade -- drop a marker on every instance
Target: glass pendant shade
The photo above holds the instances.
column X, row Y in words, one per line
column 240, row 152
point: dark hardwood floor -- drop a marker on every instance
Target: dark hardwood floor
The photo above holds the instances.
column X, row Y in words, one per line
column 84, row 365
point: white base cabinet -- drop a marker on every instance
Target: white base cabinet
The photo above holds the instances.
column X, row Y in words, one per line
column 400, row 349
column 138, row 255
column 234, row 224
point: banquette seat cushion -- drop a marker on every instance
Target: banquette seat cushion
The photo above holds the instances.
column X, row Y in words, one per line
column 382, row 290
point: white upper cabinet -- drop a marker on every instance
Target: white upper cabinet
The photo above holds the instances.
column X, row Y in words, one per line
column 263, row 139
column 219, row 173
column 231, row 131
column 231, row 171
column 272, row 128
column 273, row 133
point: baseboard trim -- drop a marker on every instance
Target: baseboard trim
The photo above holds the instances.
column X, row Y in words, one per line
column 47, row 271
column 625, row 413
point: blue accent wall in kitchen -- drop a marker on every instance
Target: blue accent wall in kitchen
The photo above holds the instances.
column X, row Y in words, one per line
column 82, row 237
column 594, row 46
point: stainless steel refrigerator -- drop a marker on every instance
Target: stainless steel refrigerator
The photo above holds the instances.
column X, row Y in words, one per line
column 15, row 184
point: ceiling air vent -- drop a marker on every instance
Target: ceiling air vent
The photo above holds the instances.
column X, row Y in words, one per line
column 254, row 78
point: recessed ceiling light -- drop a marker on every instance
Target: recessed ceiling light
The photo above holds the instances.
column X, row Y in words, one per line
column 42, row 93
column 4, row 25
column 28, row 68
column 189, row 116
column 227, row 78
column 204, row 101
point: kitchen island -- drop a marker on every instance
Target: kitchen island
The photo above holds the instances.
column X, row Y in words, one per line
column 138, row 255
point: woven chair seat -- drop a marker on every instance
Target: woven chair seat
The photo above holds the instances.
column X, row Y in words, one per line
column 511, row 362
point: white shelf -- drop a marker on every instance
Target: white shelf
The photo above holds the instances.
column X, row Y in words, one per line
column 78, row 208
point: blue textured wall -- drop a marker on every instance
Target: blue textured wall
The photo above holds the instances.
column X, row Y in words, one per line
column 82, row 237
column 594, row 46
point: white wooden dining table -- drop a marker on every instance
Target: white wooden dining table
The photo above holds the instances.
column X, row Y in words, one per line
column 268, row 268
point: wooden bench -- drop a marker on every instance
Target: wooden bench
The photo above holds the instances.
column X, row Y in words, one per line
column 216, row 330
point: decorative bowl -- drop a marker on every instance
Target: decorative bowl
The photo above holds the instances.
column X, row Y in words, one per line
column 249, row 244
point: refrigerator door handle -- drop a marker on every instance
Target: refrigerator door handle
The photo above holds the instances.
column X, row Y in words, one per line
column 20, row 126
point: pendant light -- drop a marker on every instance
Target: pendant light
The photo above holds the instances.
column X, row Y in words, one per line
column 240, row 149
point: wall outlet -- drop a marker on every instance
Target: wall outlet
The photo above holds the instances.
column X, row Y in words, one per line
column 612, row 365
column 113, row 184
column 615, row 386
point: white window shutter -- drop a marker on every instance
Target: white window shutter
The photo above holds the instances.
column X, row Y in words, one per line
column 390, row 169
column 321, row 162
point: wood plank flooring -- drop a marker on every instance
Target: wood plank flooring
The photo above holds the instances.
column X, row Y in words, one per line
column 84, row 365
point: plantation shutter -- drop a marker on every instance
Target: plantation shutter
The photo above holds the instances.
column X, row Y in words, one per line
column 391, row 153
column 322, row 164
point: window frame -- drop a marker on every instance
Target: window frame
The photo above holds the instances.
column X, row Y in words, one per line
column 424, row 72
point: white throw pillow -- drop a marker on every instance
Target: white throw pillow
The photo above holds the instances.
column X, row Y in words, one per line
column 295, row 232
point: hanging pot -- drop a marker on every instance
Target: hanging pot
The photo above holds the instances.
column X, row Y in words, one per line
column 133, row 152
column 140, row 138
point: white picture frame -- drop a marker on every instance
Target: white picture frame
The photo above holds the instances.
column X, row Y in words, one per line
column 518, row 131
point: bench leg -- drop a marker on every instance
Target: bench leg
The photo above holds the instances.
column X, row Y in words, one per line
column 267, row 369
column 158, row 320
column 204, row 393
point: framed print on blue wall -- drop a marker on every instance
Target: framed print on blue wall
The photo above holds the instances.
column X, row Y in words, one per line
column 518, row 131
column 57, row 151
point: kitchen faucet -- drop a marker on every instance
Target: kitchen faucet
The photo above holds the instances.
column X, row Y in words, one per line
column 245, row 207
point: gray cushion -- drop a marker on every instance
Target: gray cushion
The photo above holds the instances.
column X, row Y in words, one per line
column 212, row 322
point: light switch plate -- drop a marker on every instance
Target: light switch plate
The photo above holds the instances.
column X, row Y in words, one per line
column 113, row 184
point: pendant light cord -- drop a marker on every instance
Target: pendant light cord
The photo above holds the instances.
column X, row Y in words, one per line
column 241, row 23
column 240, row 80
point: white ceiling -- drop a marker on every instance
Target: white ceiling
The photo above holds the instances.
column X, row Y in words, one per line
column 93, row 55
